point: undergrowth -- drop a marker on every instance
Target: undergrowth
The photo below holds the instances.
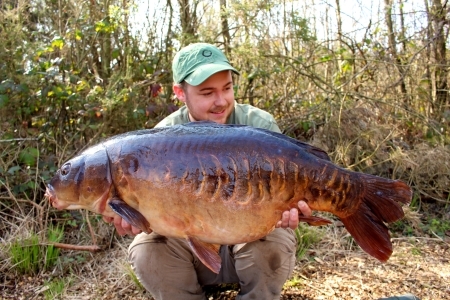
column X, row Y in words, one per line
column 306, row 237
column 30, row 256
column 55, row 288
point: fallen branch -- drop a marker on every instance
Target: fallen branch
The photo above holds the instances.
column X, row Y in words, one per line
column 18, row 140
column 91, row 248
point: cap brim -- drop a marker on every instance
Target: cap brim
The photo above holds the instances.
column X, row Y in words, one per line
column 205, row 71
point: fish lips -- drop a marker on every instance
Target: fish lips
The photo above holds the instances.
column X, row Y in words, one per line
column 51, row 195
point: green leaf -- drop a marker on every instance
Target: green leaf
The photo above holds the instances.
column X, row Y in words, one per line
column 29, row 156
column 325, row 58
column 3, row 100
column 115, row 53
column 60, row 91
column 13, row 170
column 22, row 88
column 78, row 35
column 99, row 26
column 57, row 43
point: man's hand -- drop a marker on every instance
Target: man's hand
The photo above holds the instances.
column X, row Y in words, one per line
column 122, row 226
column 289, row 219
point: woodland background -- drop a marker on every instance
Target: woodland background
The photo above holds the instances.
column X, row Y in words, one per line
column 372, row 91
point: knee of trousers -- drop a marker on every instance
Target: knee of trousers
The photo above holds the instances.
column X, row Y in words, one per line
column 266, row 264
column 163, row 266
column 144, row 257
column 273, row 256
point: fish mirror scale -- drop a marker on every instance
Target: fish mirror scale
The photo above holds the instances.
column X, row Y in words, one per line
column 260, row 181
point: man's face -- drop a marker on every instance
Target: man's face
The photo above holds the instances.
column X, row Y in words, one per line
column 212, row 100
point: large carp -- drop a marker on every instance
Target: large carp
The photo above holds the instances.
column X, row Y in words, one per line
column 224, row 184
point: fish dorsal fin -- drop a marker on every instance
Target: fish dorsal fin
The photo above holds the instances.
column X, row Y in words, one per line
column 129, row 214
column 202, row 123
column 320, row 153
column 207, row 253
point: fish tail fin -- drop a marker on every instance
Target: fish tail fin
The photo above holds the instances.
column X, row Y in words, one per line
column 381, row 204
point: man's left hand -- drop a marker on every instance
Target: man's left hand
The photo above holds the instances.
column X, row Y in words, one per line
column 122, row 226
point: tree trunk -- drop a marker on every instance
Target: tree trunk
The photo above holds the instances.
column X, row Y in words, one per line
column 393, row 48
column 225, row 26
column 189, row 21
column 339, row 23
column 429, row 75
column 438, row 20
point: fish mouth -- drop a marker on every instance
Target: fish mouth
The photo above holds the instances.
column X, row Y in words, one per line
column 51, row 195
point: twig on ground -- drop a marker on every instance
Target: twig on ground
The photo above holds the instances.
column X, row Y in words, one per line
column 91, row 248
column 91, row 231
column 407, row 238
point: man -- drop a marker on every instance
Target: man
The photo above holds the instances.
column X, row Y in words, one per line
column 166, row 267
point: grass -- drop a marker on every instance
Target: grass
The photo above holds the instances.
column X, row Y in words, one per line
column 26, row 254
column 55, row 234
column 56, row 287
column 133, row 277
column 306, row 236
column 293, row 282
column 438, row 227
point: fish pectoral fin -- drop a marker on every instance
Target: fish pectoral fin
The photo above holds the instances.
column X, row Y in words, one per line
column 129, row 214
column 314, row 221
column 207, row 253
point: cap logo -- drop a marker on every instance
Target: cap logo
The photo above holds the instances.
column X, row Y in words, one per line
column 206, row 53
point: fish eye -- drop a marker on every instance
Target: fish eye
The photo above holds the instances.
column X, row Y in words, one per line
column 65, row 169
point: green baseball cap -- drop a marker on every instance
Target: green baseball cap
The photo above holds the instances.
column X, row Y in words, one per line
column 197, row 62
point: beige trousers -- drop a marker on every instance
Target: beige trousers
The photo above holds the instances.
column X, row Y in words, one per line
column 169, row 270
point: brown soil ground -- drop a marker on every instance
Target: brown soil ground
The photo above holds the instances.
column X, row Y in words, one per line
column 330, row 270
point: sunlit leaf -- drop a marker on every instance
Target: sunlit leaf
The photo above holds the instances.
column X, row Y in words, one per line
column 99, row 26
column 78, row 35
column 346, row 66
column 82, row 85
column 104, row 26
column 57, row 43
column 325, row 58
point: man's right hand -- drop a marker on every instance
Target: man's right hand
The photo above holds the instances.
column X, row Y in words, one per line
column 122, row 226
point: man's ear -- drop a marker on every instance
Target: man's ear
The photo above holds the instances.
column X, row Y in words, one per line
column 179, row 92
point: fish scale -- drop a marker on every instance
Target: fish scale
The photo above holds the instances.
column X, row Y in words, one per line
column 224, row 184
